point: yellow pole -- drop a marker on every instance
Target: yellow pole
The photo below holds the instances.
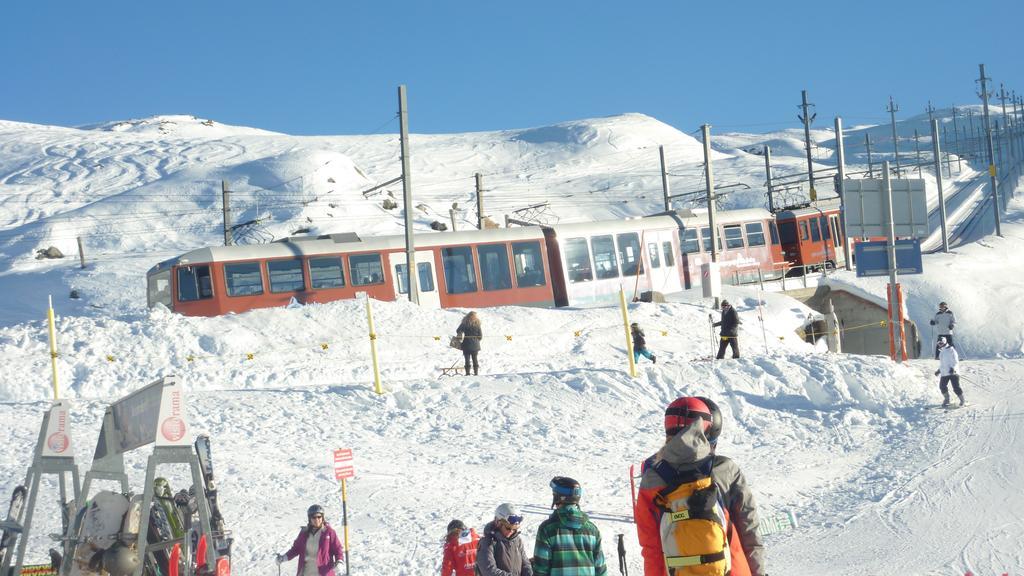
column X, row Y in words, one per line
column 629, row 337
column 344, row 514
column 373, row 348
column 53, row 349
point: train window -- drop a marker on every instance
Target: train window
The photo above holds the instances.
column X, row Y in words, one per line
column 494, row 271
column 787, row 230
column 775, row 233
column 803, row 230
column 365, row 269
column 426, row 278
column 194, row 283
column 577, row 260
column 243, row 279
column 285, row 275
column 815, row 232
column 688, row 241
column 670, row 259
column 705, row 236
column 629, row 254
column 733, row 237
column 459, row 276
column 824, row 228
column 755, row 234
column 529, row 266
column 653, row 256
column 326, row 272
column 158, row 288
column 604, row 257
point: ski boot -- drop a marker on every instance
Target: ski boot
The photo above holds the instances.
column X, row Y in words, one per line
column 961, row 397
column 945, row 399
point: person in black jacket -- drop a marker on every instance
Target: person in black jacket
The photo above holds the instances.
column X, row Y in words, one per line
column 729, row 333
column 471, row 334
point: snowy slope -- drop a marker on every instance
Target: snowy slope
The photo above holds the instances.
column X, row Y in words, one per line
column 881, row 483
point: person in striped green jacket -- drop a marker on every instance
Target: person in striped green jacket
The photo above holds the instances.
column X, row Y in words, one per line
column 568, row 543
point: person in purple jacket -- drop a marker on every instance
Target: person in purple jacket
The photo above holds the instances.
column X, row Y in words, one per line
column 317, row 546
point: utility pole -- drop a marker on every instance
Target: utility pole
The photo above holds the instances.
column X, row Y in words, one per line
column 896, row 315
column 412, row 278
column 867, row 144
column 664, row 179
column 930, row 110
column 996, row 204
column 938, row 181
column 1006, row 123
column 893, row 109
column 479, row 201
column 709, row 183
column 225, row 196
column 970, row 136
column 841, row 188
column 917, row 150
column 807, row 119
column 949, row 170
column 956, row 142
column 768, row 177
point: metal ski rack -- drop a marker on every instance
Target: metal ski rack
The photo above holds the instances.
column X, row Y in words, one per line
column 53, row 455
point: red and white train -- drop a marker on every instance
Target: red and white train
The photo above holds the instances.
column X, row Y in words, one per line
column 576, row 264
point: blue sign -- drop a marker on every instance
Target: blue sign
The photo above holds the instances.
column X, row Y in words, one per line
column 872, row 258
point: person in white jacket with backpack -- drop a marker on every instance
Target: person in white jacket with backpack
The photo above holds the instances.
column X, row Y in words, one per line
column 949, row 360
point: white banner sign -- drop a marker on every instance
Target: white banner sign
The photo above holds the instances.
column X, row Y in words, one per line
column 172, row 428
column 58, row 431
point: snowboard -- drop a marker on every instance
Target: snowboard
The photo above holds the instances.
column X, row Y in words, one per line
column 11, row 526
column 98, row 531
column 221, row 542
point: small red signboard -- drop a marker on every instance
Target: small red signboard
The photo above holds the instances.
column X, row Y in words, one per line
column 343, row 467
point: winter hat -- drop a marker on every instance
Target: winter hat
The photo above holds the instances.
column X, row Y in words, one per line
column 725, row 303
column 634, row 325
column 942, row 341
column 455, row 525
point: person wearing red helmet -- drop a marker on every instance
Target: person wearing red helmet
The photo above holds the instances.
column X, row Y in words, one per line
column 687, row 483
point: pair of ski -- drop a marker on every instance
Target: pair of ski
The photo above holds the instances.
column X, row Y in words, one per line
column 11, row 526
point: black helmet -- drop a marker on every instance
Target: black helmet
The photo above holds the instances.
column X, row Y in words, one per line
column 565, row 490
column 314, row 510
column 455, row 525
column 716, row 420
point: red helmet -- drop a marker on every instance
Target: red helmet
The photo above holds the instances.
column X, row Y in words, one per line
column 685, row 410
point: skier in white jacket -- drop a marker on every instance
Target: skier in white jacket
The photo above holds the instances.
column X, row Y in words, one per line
column 949, row 360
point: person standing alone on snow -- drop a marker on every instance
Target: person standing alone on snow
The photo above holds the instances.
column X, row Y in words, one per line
column 640, row 344
column 695, row 514
column 459, row 550
column 729, row 333
column 568, row 543
column 471, row 334
column 501, row 551
column 943, row 321
column 949, row 360
column 317, row 546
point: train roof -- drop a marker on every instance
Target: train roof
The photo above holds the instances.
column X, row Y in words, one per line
column 824, row 205
column 348, row 242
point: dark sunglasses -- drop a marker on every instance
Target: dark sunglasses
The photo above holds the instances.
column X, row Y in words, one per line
column 316, row 516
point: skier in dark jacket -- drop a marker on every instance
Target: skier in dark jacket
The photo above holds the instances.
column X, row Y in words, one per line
column 501, row 551
column 729, row 333
column 317, row 546
column 640, row 344
column 471, row 334
column 568, row 543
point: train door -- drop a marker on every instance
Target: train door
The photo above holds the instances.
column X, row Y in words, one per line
column 429, row 295
column 661, row 262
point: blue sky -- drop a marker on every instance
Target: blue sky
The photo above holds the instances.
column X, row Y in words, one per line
column 312, row 67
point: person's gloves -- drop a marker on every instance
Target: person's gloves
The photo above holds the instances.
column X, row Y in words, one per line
column 937, row 372
column 951, row 372
column 281, row 558
column 932, row 322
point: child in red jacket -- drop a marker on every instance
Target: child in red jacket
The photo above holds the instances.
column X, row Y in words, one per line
column 459, row 550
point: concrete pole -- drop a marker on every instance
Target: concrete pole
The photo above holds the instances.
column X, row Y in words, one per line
column 996, row 203
column 949, row 169
column 841, row 175
column 410, row 242
column 479, row 201
column 664, row 179
column 768, row 177
column 894, row 328
column 1008, row 141
column 893, row 109
column 709, row 181
column 917, row 151
column 225, row 198
column 871, row 167
column 938, row 181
